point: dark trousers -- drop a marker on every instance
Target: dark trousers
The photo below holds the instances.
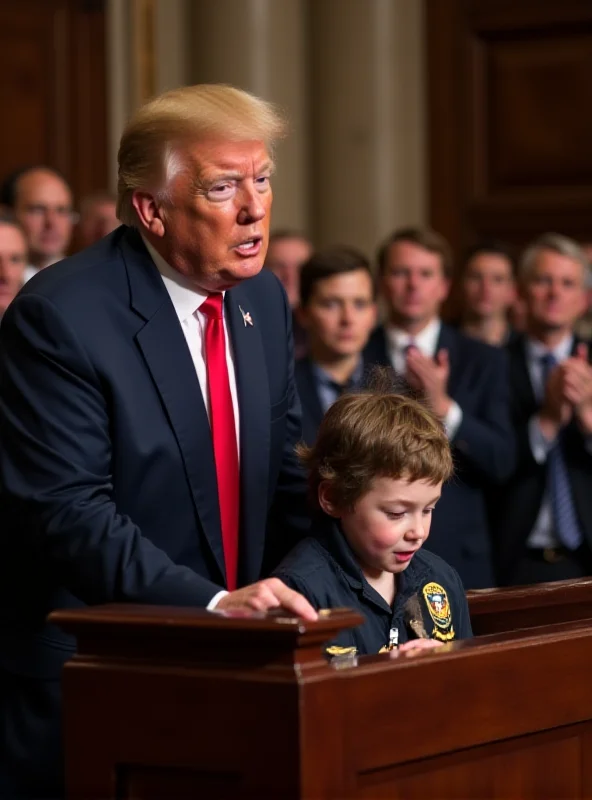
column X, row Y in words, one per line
column 31, row 758
column 533, row 567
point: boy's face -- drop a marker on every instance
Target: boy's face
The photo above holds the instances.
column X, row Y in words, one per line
column 340, row 314
column 388, row 524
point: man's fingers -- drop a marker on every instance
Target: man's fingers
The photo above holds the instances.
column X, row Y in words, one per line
column 291, row 600
column 582, row 351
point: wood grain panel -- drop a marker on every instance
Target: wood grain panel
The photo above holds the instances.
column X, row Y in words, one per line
column 524, row 768
column 53, row 90
column 510, row 124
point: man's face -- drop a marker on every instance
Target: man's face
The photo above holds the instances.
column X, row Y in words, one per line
column 216, row 226
column 488, row 286
column 554, row 292
column 340, row 314
column 98, row 221
column 413, row 285
column 285, row 258
column 13, row 259
column 44, row 209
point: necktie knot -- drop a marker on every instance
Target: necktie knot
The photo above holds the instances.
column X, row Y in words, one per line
column 212, row 306
column 548, row 362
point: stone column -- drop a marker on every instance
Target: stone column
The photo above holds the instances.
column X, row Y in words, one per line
column 367, row 119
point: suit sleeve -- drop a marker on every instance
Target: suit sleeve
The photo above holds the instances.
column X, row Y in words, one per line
column 55, row 470
column 485, row 436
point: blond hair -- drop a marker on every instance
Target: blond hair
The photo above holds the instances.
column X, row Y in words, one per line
column 375, row 434
column 150, row 148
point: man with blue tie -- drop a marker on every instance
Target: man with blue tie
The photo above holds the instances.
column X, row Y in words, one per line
column 148, row 410
column 544, row 513
column 464, row 381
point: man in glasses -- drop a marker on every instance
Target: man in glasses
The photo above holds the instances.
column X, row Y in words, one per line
column 41, row 201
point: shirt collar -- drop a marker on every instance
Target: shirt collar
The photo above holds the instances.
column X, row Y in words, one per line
column 426, row 340
column 536, row 350
column 322, row 376
column 184, row 296
column 332, row 539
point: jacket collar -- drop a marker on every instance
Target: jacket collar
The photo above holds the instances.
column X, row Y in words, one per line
column 408, row 582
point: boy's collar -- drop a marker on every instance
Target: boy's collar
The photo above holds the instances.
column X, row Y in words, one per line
column 334, row 541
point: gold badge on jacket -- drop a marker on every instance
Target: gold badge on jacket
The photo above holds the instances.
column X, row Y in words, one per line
column 439, row 608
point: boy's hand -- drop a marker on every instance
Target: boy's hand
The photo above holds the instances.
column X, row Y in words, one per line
column 265, row 595
column 411, row 647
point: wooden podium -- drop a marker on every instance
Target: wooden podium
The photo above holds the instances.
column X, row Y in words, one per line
column 164, row 704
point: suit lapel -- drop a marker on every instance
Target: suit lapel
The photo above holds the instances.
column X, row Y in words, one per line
column 448, row 340
column 522, row 388
column 309, row 396
column 254, row 409
column 164, row 348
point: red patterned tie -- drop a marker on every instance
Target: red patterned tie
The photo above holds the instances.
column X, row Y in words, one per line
column 223, row 434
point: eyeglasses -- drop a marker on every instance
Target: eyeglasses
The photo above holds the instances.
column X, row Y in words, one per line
column 63, row 212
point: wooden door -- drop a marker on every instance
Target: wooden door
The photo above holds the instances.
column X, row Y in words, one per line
column 510, row 118
column 53, row 92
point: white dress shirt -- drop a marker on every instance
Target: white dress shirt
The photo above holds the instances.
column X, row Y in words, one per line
column 543, row 534
column 186, row 301
column 426, row 341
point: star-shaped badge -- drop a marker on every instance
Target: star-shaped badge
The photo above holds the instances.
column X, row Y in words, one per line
column 247, row 318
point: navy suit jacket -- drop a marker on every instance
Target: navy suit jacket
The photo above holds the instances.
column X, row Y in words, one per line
column 312, row 410
column 518, row 502
column 483, row 451
column 106, row 465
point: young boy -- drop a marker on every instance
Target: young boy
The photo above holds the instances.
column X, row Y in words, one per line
column 375, row 473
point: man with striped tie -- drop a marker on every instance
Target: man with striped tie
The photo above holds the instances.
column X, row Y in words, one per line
column 544, row 515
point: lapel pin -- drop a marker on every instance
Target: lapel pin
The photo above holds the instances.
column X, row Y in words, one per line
column 247, row 319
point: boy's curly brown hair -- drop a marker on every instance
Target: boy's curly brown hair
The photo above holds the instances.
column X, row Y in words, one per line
column 375, row 433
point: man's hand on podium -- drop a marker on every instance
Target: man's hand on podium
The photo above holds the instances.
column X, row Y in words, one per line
column 265, row 595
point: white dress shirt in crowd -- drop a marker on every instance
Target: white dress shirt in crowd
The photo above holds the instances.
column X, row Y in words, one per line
column 426, row 341
column 186, row 302
column 542, row 534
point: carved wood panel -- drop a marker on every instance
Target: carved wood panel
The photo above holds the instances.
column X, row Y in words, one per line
column 510, row 122
column 53, row 92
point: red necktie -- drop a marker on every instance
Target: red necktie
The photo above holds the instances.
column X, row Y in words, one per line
column 223, row 434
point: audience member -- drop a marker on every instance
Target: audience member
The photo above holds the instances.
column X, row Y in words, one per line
column 375, row 474
column 98, row 217
column 488, row 290
column 41, row 201
column 583, row 327
column 288, row 250
column 544, row 513
column 148, row 409
column 465, row 383
column 13, row 260
column 338, row 312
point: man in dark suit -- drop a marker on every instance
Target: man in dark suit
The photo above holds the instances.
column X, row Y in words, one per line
column 464, row 381
column 338, row 312
column 148, row 410
column 487, row 283
column 544, row 513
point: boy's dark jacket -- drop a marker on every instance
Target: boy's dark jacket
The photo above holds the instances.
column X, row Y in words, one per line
column 430, row 601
